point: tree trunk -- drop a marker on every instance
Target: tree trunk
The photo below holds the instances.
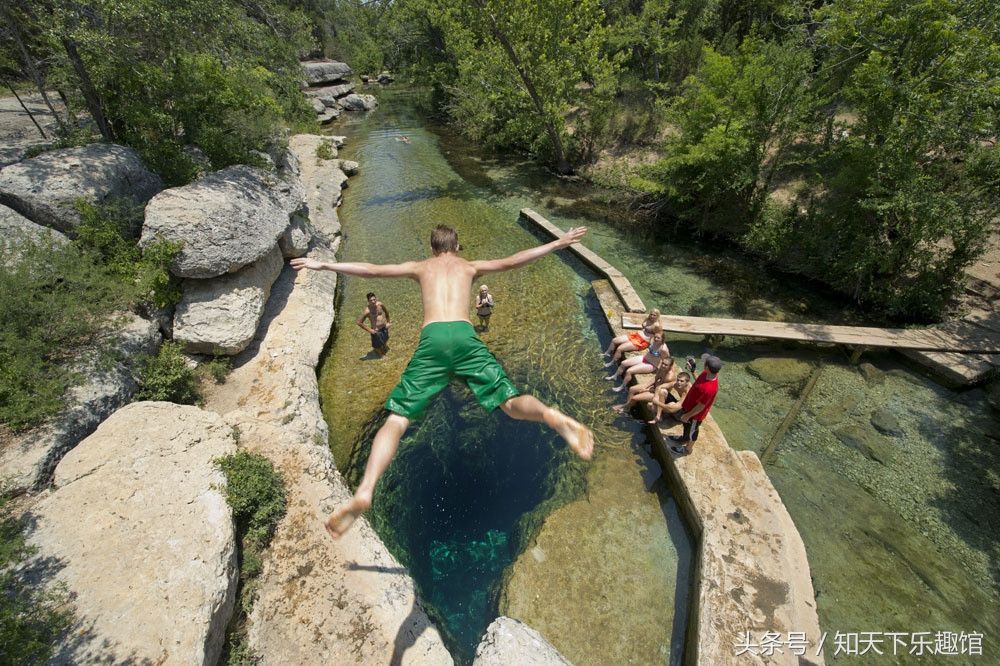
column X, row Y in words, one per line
column 26, row 109
column 30, row 68
column 87, row 88
column 562, row 164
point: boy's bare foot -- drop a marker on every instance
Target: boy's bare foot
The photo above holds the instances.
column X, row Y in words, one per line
column 344, row 516
column 578, row 436
column 618, row 389
column 611, row 378
column 618, row 408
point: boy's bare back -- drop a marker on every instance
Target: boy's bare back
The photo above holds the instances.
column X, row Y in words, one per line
column 445, row 287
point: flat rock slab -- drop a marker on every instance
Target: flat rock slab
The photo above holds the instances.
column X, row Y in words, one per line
column 325, row 71
column 220, row 315
column 323, row 181
column 142, row 538
column 508, row 641
column 45, row 189
column 328, row 95
column 225, row 221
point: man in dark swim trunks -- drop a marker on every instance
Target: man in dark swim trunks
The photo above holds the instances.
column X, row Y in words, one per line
column 378, row 317
column 448, row 348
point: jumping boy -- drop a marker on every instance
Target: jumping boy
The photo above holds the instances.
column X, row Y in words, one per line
column 448, row 347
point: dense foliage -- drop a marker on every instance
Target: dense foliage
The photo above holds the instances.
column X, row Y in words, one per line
column 59, row 306
column 852, row 141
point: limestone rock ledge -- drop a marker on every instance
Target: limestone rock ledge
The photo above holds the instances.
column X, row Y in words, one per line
column 139, row 533
column 319, row 601
column 508, row 641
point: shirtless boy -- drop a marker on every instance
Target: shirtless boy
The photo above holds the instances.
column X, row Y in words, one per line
column 448, row 347
column 378, row 318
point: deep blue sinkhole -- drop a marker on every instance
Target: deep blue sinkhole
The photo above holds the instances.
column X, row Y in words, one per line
column 454, row 505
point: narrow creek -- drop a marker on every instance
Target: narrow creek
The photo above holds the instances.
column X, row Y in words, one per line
column 891, row 479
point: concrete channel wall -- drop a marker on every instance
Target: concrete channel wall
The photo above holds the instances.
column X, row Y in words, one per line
column 751, row 574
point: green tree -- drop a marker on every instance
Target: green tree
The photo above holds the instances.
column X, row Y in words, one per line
column 521, row 67
column 910, row 181
column 735, row 120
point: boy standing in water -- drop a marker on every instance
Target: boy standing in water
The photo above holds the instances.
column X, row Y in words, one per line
column 448, row 347
column 378, row 316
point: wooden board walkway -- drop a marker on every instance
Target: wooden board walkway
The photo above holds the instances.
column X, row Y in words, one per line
column 618, row 281
column 969, row 340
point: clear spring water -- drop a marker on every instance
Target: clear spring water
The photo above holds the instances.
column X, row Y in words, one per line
column 900, row 521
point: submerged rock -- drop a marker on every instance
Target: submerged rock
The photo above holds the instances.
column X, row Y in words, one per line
column 868, row 443
column 871, row 374
column 140, row 535
column 508, row 641
column 779, row 371
column 46, row 189
column 886, row 422
column 835, row 411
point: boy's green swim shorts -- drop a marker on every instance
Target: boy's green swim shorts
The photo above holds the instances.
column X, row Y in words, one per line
column 449, row 349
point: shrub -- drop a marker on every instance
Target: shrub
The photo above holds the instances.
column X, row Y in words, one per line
column 324, row 150
column 55, row 302
column 216, row 369
column 166, row 376
column 31, row 616
column 110, row 231
column 256, row 494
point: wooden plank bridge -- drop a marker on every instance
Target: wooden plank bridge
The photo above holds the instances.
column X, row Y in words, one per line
column 969, row 341
column 961, row 353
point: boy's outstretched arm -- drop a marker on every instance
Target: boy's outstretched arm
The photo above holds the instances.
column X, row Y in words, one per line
column 407, row 269
column 527, row 256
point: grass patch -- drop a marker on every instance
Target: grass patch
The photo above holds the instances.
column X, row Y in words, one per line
column 325, row 150
column 256, row 494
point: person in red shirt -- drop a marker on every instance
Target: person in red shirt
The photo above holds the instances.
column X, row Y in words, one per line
column 697, row 404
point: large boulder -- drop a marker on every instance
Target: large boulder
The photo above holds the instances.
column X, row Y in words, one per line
column 17, row 230
column 27, row 462
column 295, row 241
column 139, row 533
column 226, row 220
column 329, row 95
column 355, row 102
column 325, row 71
column 220, row 316
column 508, row 641
column 45, row 189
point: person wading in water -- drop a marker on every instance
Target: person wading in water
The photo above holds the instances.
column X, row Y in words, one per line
column 448, row 347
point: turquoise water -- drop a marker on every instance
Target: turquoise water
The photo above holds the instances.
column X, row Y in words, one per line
column 892, row 480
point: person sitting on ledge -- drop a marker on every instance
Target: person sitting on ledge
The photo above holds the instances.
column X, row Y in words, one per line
column 665, row 376
column 448, row 348
column 664, row 401
column 638, row 365
column 633, row 340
